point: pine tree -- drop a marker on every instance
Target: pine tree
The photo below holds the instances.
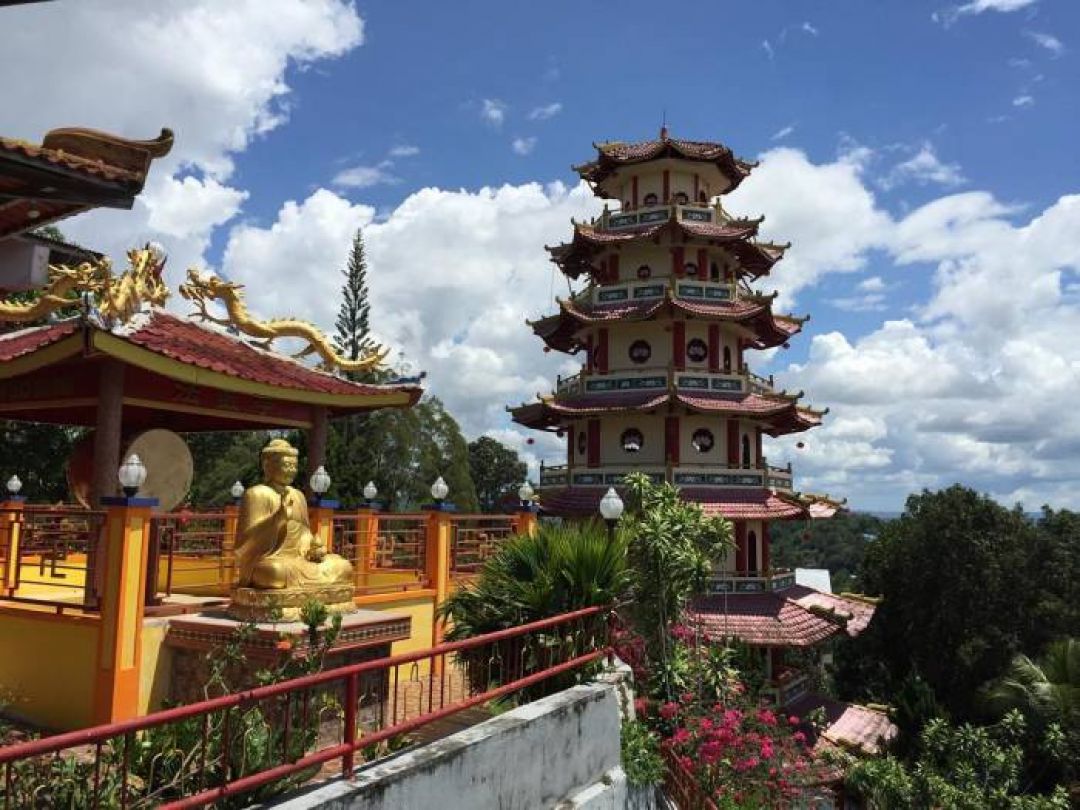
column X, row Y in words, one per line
column 352, row 320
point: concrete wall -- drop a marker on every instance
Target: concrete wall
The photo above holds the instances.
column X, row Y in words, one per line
column 559, row 752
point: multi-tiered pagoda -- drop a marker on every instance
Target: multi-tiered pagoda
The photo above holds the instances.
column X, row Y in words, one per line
column 664, row 324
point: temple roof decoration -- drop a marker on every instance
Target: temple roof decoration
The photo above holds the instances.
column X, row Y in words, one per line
column 559, row 331
column 613, row 155
column 756, row 259
column 71, row 170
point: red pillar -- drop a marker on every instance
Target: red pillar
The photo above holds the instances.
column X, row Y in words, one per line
column 667, row 185
column 765, row 563
column 678, row 259
column 613, row 268
column 634, row 192
column 110, row 415
column 678, row 344
column 594, row 443
column 714, row 347
column 733, row 442
column 602, row 351
column 671, row 440
column 740, row 546
column 703, row 264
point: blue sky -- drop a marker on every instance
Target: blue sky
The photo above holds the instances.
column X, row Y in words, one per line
column 919, row 155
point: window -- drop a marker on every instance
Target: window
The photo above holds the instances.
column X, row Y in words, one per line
column 703, row 440
column 681, row 198
column 644, row 272
column 640, row 351
column 632, row 440
column 751, row 551
column 650, row 199
column 714, row 272
column 582, row 443
column 702, row 197
column 727, row 359
column 746, row 451
column 690, row 269
column 697, row 351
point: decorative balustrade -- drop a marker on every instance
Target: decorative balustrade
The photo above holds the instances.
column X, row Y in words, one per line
column 644, row 216
column 751, row 581
column 780, row 478
column 661, row 378
column 192, row 553
column 474, row 538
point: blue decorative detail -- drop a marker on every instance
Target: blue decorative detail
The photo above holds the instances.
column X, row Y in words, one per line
column 718, row 293
column 691, row 291
column 654, row 216
column 588, row 478
column 622, row 220
column 699, row 383
column 444, row 506
column 697, row 216
column 626, row 384
column 726, row 384
column 652, row 291
column 718, row 479
column 613, row 295
column 123, row 500
column 325, row 503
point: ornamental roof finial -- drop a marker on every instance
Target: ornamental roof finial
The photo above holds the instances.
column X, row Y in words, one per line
column 663, row 126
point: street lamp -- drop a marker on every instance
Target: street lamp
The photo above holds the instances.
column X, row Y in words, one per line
column 439, row 490
column 320, row 481
column 237, row 491
column 14, row 485
column 525, row 494
column 370, row 491
column 611, row 509
column 132, row 475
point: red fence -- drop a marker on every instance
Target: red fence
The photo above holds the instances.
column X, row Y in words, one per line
column 681, row 786
column 56, row 560
column 474, row 538
column 192, row 553
column 194, row 755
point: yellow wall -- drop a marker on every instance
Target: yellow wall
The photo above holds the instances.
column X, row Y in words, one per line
column 48, row 664
column 155, row 666
column 611, row 430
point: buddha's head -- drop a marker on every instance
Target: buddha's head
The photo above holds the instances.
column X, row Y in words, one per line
column 279, row 462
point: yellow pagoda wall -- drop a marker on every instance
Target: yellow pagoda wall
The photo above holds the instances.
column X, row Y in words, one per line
column 611, row 429
column 619, row 340
column 155, row 668
column 47, row 667
column 651, row 181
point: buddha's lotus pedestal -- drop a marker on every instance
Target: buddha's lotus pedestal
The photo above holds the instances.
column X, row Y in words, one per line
column 285, row 604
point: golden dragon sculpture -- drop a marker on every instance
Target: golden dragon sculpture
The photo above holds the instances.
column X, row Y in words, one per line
column 203, row 289
column 117, row 298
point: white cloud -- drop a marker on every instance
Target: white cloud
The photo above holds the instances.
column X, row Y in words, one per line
column 1024, row 101
column 924, row 168
column 782, row 133
column 546, row 111
column 404, row 150
column 871, row 285
column 493, row 111
column 1047, row 41
column 768, row 48
column 809, row 29
column 366, row 176
column 951, row 14
column 523, row 146
column 117, row 66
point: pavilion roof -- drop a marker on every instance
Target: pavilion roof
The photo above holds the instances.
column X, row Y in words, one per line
column 71, row 170
column 849, row 726
column 179, row 349
column 559, row 331
column 574, row 258
column 767, row 619
column 612, row 155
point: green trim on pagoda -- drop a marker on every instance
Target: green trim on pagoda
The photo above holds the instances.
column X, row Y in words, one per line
column 751, row 582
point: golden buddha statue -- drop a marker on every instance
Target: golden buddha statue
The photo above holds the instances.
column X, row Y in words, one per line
column 280, row 563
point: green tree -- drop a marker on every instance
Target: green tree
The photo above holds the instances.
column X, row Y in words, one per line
column 221, row 458
column 38, row 454
column 957, row 603
column 496, row 471
column 353, row 317
column 838, row 545
column 964, row 768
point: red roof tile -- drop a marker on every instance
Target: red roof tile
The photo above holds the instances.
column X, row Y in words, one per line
column 26, row 341
column 734, row 504
column 850, row 726
column 748, row 404
column 66, row 160
column 857, row 611
column 611, row 155
column 759, row 619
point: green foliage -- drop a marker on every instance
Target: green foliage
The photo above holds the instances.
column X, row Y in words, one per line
column 353, row 316
column 964, row 768
column 912, row 708
column 38, row 454
column 220, row 460
column 496, row 471
column 672, row 547
column 641, row 758
column 837, row 544
column 559, row 569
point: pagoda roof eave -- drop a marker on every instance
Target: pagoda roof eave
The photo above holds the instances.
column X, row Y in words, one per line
column 614, row 155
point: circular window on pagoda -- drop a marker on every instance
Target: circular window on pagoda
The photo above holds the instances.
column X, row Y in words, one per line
column 632, row 440
column 697, row 351
column 644, row 272
column 650, row 199
column 581, row 443
column 690, row 269
column 703, row 440
column 640, row 351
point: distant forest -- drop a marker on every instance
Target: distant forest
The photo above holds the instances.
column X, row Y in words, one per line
column 838, row 544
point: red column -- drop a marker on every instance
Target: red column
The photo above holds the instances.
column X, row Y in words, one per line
column 613, row 268
column 757, row 447
column 671, row 439
column 697, row 186
column 765, row 545
column 740, row 546
column 703, row 264
column 739, row 359
column 678, row 344
column 571, row 434
column 589, row 352
column 634, row 192
column 733, row 442
column 678, row 257
column 602, row 351
column 667, row 185
column 714, row 347
column 594, row 443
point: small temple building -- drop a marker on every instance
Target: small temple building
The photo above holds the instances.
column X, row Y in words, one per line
column 670, row 311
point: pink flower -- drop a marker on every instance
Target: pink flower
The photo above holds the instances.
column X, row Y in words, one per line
column 641, row 706
column 669, row 710
column 681, row 736
column 709, row 752
column 799, row 737
column 793, row 720
column 767, row 717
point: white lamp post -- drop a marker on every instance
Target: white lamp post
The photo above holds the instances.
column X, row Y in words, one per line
column 237, row 491
column 370, row 491
column 132, row 475
column 14, row 485
column 611, row 509
column 439, row 490
column 525, row 494
column 320, row 481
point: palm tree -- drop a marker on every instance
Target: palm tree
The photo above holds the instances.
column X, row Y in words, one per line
column 556, row 570
column 1046, row 691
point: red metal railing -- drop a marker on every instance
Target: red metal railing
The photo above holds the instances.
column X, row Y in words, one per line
column 56, row 564
column 191, row 553
column 241, row 742
column 680, row 785
column 388, row 552
column 475, row 538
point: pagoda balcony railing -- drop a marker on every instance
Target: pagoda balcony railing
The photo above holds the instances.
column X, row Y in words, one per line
column 644, row 216
column 686, row 474
column 775, row 579
column 785, row 688
column 554, row 475
column 779, row 478
column 663, row 378
column 653, row 289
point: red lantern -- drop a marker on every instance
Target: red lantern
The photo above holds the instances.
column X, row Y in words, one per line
column 530, row 441
column 547, row 349
column 800, row 445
